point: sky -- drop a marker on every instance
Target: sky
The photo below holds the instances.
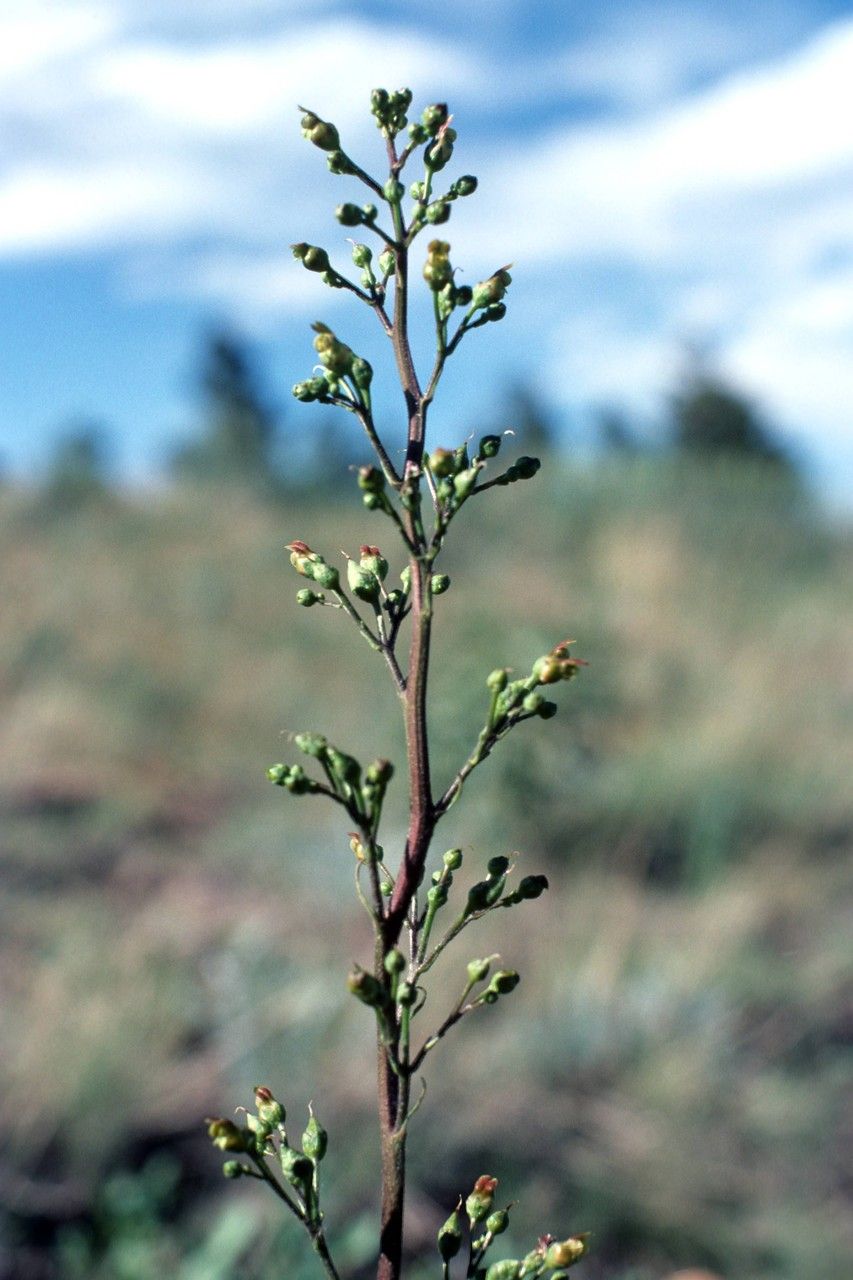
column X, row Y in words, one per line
column 663, row 177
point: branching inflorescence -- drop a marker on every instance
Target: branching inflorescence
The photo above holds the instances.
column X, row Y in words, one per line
column 421, row 498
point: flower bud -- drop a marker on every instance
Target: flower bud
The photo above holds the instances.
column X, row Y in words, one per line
column 233, row 1169
column 464, row 294
column 339, row 163
column 437, row 896
column 315, row 1140
column 478, row 970
column 504, row 981
column 321, row 132
column 371, row 479
column 326, row 576
column 307, row 597
column 406, row 995
column 450, row 1237
column 395, row 600
column 406, row 579
column 490, row 291
column 489, row 447
column 379, row 102
column 270, row 1112
column 372, row 501
column 506, row 1269
column 312, row 257
column 482, row 895
column 438, row 583
column 393, row 191
column 395, row 961
column 547, row 711
column 498, row 866
column 496, row 680
column 532, row 886
column 532, row 703
column 380, row 771
column 372, row 559
column 226, row 1135
column 479, row 1203
column 565, row 1253
column 438, row 155
column 277, row 773
column 349, row 215
column 548, row 669
column 417, row 133
column 437, row 269
column 312, row 744
column 362, row 373
column 363, row 985
column 466, row 185
column 437, row 213
column 386, row 262
column 362, row 582
column 464, row 483
column 441, row 462
column 434, row 116
column 453, row 859
column 362, row 255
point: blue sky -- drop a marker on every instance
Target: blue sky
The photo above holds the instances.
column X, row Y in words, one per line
column 659, row 174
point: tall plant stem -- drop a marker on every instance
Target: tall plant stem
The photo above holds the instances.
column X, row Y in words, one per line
column 393, row 1090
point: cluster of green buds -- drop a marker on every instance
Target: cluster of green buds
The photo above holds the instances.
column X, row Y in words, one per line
column 361, row 791
column 341, row 363
column 485, row 1223
column 512, row 699
column 389, row 110
column 550, row 1257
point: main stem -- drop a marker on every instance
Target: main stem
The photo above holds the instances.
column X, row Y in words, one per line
column 394, row 1089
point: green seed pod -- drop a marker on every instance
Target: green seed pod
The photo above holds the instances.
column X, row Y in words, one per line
column 394, row 600
column 315, row 1140
column 453, row 859
column 506, row 1269
column 496, row 680
column 532, row 702
column 441, row 462
column 362, row 255
column 437, row 213
column 478, row 970
column 362, row 373
column 339, row 163
column 395, row 961
column 417, row 133
column 406, row 579
column 345, row 768
column 489, row 447
column 386, row 262
column 406, row 995
column 497, row 866
column 233, row 1169
column 277, row 773
column 466, row 185
column 270, row 1112
column 297, row 1168
column 393, row 191
column 362, row 582
column 307, row 597
column 504, row 981
column 372, row 501
column 312, row 744
column 465, row 482
column 490, row 291
column 532, row 886
column 437, row 896
column 464, row 294
column 296, row 781
column 496, row 312
column 438, row 155
column 365, row 987
column 526, row 467
column 547, row 711
column 312, row 257
column 450, row 1237
column 479, row 1204
column 326, row 576
column 439, row 583
column 379, row 101
column 497, row 1222
column 380, row 771
column 349, row 215
column 483, row 894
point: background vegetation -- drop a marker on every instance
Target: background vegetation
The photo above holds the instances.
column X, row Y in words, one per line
column 673, row 1075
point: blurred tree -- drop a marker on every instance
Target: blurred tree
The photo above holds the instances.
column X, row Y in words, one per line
column 616, row 433
column 709, row 416
column 77, row 472
column 238, row 440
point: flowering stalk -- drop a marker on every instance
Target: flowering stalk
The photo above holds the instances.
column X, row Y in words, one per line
column 420, row 495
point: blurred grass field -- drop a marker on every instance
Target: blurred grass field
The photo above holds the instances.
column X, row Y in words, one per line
column 671, row 1072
